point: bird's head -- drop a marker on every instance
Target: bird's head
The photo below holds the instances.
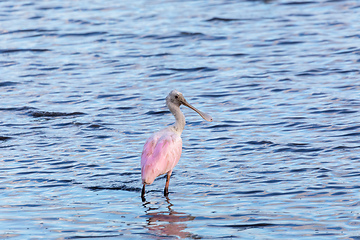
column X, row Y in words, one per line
column 176, row 98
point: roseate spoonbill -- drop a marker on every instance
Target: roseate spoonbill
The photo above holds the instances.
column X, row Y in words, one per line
column 162, row 150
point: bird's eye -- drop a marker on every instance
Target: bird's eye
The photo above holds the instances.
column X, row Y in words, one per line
column 176, row 97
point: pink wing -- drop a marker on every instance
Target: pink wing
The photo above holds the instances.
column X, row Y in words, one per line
column 160, row 155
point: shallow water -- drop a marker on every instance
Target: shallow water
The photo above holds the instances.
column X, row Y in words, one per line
column 83, row 85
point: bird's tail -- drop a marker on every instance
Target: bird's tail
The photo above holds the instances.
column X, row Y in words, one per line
column 147, row 174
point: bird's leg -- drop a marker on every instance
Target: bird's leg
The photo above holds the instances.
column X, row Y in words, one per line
column 143, row 192
column 166, row 190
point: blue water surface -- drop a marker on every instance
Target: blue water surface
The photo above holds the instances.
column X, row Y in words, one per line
column 83, row 84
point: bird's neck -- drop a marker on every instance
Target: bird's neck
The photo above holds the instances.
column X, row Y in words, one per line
column 179, row 122
column 179, row 118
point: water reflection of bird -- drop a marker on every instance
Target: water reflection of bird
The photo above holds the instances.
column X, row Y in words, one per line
column 168, row 223
column 162, row 150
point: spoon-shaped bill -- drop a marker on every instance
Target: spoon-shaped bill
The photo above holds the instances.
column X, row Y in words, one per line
column 205, row 116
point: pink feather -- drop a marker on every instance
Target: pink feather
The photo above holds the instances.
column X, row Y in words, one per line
column 160, row 155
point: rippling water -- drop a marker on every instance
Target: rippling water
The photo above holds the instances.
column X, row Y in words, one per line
column 83, row 85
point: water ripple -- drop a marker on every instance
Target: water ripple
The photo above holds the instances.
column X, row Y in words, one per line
column 83, row 85
column 23, row 50
column 38, row 114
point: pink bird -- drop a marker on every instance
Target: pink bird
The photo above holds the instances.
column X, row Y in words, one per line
column 162, row 150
